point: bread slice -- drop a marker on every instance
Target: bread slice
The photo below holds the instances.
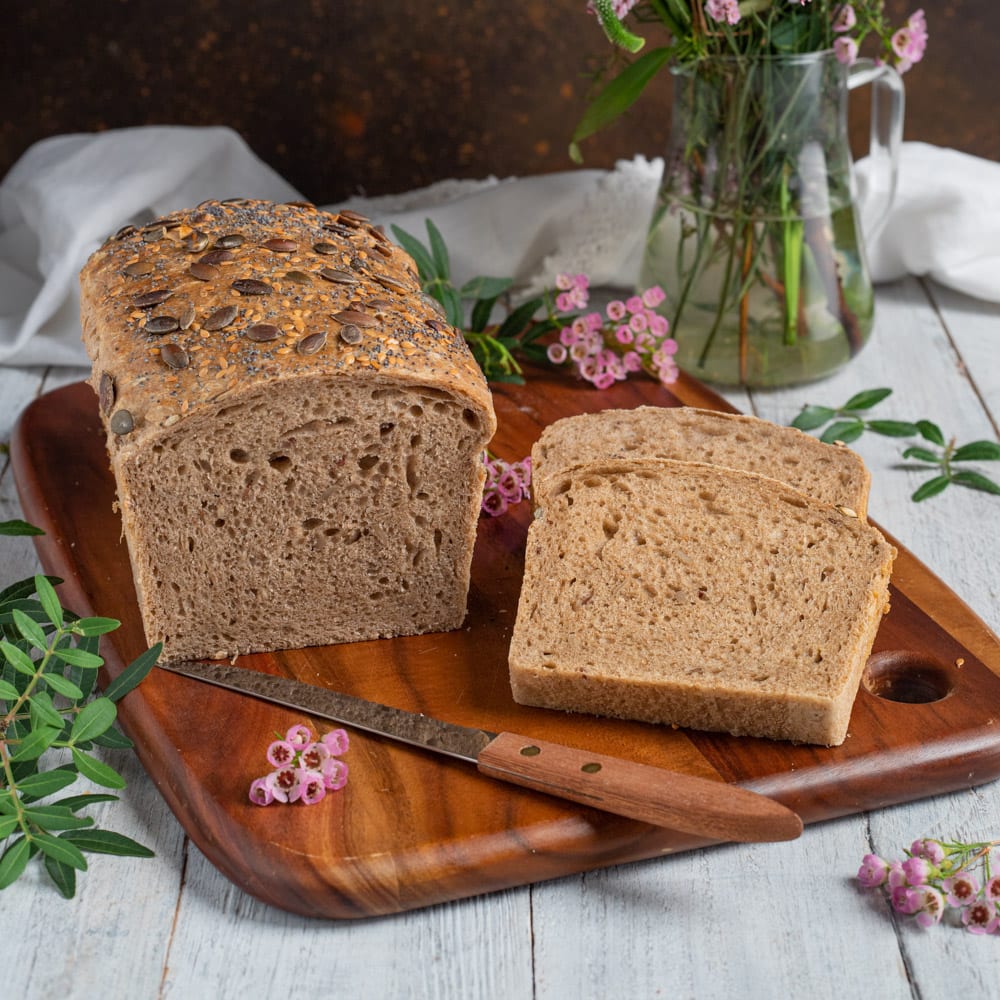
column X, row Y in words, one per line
column 295, row 432
column 832, row 473
column 698, row 596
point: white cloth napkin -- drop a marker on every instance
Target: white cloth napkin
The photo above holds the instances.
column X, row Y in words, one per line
column 66, row 194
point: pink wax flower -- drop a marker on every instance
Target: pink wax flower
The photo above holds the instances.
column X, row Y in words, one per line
column 494, row 502
column 918, row 871
column 312, row 756
column 845, row 19
column 723, row 10
column 280, row 753
column 336, row 742
column 334, row 774
column 846, row 50
column 961, row 890
column 874, row 871
column 281, row 783
column 309, row 787
column 930, row 850
column 634, row 304
column 653, row 296
column 299, row 736
column 260, row 794
column 616, row 310
column 991, row 890
column 624, row 334
column 907, row 899
column 980, row 917
column 556, row 353
column 931, row 907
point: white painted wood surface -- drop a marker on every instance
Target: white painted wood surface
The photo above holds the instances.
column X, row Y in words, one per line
column 767, row 921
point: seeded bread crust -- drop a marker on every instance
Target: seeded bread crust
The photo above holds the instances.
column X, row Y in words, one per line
column 831, row 473
column 294, row 429
column 698, row 596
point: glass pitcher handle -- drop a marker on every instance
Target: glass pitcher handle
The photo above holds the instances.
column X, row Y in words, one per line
column 888, row 102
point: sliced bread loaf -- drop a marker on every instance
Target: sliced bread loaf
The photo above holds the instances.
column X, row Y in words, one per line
column 700, row 596
column 831, row 473
column 295, row 431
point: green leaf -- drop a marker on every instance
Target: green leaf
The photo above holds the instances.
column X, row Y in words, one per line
column 413, row 246
column 36, row 743
column 893, row 428
column 43, row 712
column 95, row 626
column 61, row 850
column 76, row 802
column 930, row 432
column 113, row 740
column 812, row 417
column 49, row 601
column 8, row 692
column 14, row 861
column 843, row 430
column 56, row 817
column 46, row 782
column 8, row 824
column 18, row 658
column 977, row 451
column 867, row 399
column 442, row 265
column 17, row 527
column 452, row 303
column 78, row 657
column 22, row 589
column 133, row 674
column 62, row 875
column 98, row 772
column 28, row 607
column 931, row 488
column 63, row 686
column 975, row 481
column 30, row 629
column 619, row 95
column 519, row 318
column 108, row 842
column 484, row 287
column 923, row 454
column 95, row 717
column 481, row 312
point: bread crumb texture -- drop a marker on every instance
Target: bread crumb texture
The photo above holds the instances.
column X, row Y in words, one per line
column 294, row 428
column 694, row 595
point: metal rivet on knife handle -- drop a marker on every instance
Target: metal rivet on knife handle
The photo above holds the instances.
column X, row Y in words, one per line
column 711, row 809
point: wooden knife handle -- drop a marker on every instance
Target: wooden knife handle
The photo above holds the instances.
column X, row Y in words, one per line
column 711, row 809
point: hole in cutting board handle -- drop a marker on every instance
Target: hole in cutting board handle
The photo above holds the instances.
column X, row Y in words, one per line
column 910, row 678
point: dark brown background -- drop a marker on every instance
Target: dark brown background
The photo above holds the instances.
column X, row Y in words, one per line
column 345, row 97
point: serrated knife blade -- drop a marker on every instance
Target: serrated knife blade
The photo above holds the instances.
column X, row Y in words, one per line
column 686, row 803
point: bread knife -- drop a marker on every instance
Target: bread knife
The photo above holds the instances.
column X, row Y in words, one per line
column 711, row 809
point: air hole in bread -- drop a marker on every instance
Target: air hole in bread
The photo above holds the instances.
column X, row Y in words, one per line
column 310, row 523
column 367, row 462
column 386, row 428
column 239, row 456
column 280, row 463
column 610, row 527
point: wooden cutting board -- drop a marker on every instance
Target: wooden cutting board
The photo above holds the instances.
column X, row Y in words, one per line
column 411, row 828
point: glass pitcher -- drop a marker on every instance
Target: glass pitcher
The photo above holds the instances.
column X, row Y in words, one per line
column 755, row 238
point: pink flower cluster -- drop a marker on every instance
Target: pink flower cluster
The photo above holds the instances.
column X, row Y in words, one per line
column 936, row 877
column 507, row 483
column 723, row 10
column 630, row 337
column 908, row 43
column 304, row 769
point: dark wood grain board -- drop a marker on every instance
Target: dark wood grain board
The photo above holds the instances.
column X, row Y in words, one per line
column 412, row 829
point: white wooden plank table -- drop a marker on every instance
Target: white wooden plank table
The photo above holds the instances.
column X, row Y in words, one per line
column 768, row 921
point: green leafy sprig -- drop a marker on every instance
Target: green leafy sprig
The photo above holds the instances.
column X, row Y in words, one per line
column 848, row 422
column 494, row 348
column 48, row 669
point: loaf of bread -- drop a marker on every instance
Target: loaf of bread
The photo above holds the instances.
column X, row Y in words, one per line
column 294, row 429
column 699, row 596
column 832, row 473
